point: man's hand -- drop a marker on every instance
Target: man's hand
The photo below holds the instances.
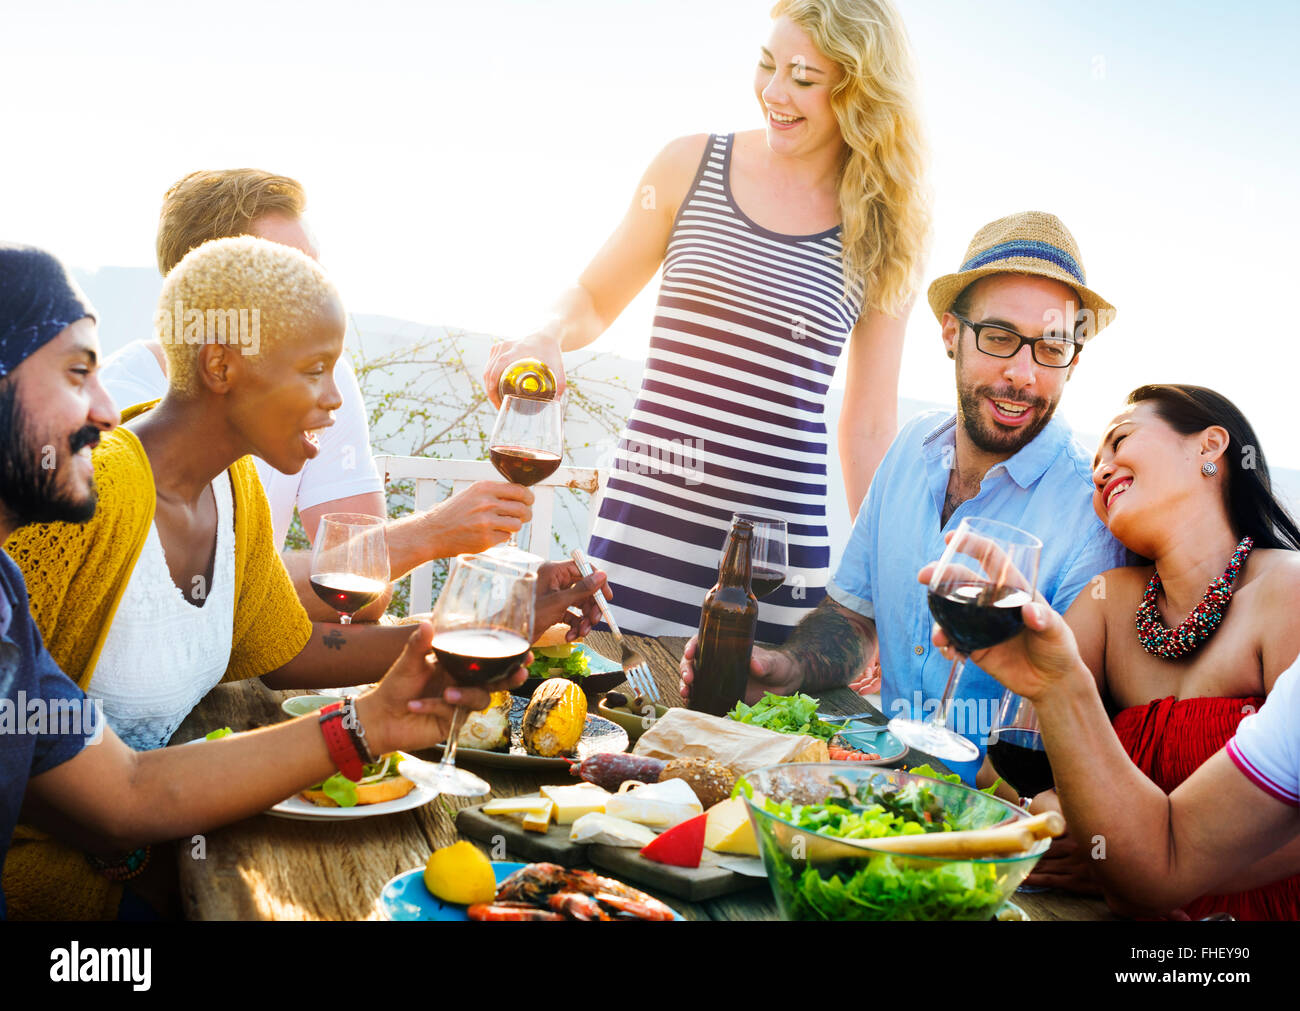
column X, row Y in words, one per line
column 540, row 346
column 769, row 671
column 412, row 707
column 561, row 586
column 476, row 518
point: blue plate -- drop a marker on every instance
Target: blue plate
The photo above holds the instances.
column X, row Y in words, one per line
column 406, row 897
column 865, row 737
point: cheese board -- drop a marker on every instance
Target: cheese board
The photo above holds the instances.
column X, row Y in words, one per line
column 694, row 884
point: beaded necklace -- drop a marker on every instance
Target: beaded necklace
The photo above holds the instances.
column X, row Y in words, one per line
column 1173, row 644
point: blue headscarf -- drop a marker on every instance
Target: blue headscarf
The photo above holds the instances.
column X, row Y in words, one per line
column 38, row 300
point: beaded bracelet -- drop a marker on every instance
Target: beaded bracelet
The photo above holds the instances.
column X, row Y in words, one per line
column 122, row 868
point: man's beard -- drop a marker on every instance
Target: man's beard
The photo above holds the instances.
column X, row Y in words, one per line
column 986, row 435
column 29, row 490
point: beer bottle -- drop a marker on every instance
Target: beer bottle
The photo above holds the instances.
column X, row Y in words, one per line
column 529, row 378
column 727, row 624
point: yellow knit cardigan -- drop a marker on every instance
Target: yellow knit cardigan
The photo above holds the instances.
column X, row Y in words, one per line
column 76, row 575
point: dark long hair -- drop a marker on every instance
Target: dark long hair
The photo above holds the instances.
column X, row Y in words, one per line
column 1252, row 507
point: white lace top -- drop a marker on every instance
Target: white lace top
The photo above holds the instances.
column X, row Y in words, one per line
column 163, row 653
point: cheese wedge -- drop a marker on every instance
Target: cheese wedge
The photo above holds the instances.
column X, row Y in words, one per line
column 729, row 829
column 610, row 831
column 659, row 805
column 540, row 821
column 572, row 802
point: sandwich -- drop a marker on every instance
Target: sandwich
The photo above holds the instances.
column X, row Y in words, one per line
column 555, row 656
column 379, row 782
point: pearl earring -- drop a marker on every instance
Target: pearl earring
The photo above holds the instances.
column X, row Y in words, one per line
column 1209, row 469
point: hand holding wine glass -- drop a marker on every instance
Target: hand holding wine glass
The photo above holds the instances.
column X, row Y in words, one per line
column 988, row 572
column 482, row 628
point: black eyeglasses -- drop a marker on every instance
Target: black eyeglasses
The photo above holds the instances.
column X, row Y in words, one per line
column 996, row 340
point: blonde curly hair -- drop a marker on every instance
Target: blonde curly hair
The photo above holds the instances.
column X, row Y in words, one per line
column 242, row 290
column 884, row 196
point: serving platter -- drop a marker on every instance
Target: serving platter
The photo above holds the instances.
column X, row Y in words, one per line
column 598, row 735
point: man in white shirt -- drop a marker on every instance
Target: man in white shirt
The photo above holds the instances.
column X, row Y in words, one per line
column 1236, row 818
column 342, row 477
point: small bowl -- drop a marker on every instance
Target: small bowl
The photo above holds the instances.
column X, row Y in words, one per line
column 634, row 721
column 301, row 705
column 815, row 876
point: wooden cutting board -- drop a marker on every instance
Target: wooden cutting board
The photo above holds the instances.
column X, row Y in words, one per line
column 552, row 846
column 695, row 884
column 623, row 862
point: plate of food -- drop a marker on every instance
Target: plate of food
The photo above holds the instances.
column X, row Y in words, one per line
column 545, row 731
column 523, row 892
column 554, row 656
column 382, row 789
column 846, row 740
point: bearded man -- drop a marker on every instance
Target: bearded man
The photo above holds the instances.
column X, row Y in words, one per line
column 1015, row 318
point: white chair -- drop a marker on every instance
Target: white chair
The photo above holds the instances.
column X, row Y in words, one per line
column 427, row 473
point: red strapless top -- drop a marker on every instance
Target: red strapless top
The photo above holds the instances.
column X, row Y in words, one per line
column 1168, row 739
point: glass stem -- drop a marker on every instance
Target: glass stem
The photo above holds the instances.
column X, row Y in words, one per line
column 449, row 749
column 940, row 717
column 345, row 619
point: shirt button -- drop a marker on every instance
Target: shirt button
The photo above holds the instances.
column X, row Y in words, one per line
column 918, row 650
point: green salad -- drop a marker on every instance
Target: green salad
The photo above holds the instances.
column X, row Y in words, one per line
column 558, row 662
column 787, row 714
column 882, row 886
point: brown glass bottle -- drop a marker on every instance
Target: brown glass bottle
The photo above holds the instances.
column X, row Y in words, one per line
column 727, row 624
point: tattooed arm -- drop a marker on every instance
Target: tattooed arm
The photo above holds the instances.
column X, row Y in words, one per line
column 337, row 656
column 828, row 649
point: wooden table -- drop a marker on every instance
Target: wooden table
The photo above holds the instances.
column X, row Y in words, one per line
column 268, row 868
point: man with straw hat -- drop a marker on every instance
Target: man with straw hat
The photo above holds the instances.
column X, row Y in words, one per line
column 1015, row 318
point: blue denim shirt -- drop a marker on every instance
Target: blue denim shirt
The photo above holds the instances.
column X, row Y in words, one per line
column 1045, row 488
column 38, row 705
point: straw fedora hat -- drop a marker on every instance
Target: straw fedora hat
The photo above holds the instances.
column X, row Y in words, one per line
column 1031, row 242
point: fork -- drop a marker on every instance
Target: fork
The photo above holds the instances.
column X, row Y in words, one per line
column 635, row 667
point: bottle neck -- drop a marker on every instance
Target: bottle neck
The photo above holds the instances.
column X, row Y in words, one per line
column 736, row 567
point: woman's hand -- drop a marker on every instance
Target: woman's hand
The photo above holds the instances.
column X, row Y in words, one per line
column 541, row 346
column 1044, row 653
column 412, row 707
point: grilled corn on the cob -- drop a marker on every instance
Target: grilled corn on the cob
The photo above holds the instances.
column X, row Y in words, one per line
column 554, row 719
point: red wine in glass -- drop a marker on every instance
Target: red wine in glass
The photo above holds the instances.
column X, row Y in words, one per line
column 345, row 592
column 522, row 465
column 475, row 656
column 977, row 615
column 764, row 581
column 1018, row 757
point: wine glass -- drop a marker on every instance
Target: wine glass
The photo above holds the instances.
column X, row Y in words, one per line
column 1016, row 747
column 349, row 567
column 526, row 446
column 768, row 553
column 988, row 571
column 482, row 628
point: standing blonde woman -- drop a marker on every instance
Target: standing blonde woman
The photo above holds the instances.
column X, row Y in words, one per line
column 779, row 248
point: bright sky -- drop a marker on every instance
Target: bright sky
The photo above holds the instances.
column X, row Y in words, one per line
column 464, row 160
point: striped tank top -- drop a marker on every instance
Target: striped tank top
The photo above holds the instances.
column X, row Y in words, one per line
column 747, row 330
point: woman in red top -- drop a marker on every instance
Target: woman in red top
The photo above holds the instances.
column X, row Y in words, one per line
column 1180, row 479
